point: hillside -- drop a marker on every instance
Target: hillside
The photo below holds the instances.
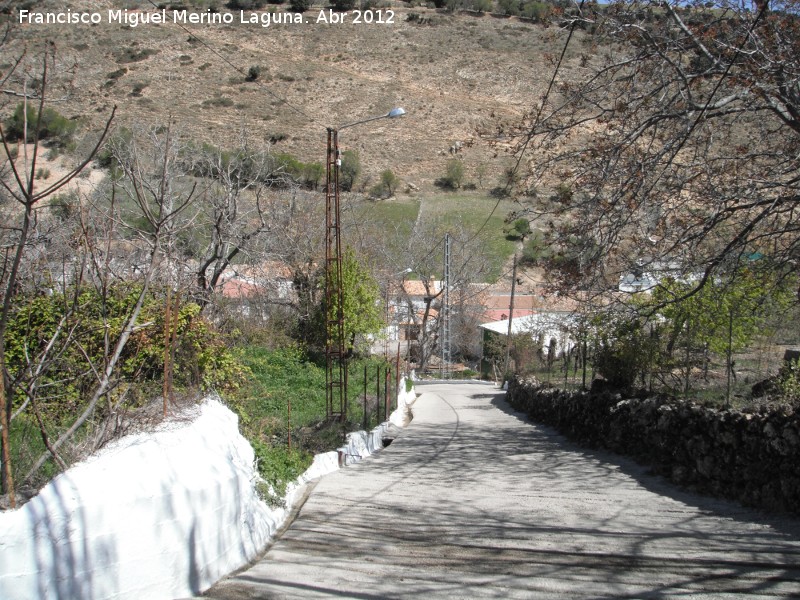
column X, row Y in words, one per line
column 460, row 77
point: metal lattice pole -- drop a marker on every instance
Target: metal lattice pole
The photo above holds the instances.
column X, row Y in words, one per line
column 335, row 359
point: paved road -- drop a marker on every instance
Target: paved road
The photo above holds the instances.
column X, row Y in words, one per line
column 472, row 501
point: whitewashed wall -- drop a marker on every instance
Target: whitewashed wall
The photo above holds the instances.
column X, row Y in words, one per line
column 156, row 515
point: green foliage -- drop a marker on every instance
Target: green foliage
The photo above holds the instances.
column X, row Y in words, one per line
column 343, row 4
column 789, row 381
column 121, row 138
column 390, row 181
column 350, row 169
column 313, row 174
column 53, row 127
column 509, row 7
column 202, row 358
column 65, row 206
column 482, row 6
column 535, row 10
column 387, row 186
column 278, row 467
column 361, row 297
column 726, row 313
column 517, row 230
column 563, row 193
column 535, row 249
column 253, row 73
column 454, row 174
column 300, row 5
column 287, row 376
column 623, row 350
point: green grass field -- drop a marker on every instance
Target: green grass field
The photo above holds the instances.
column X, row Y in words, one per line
column 473, row 216
column 285, row 395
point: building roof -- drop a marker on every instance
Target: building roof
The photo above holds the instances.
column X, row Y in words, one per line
column 240, row 289
column 415, row 287
column 529, row 323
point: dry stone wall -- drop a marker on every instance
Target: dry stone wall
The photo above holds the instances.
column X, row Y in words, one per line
column 752, row 457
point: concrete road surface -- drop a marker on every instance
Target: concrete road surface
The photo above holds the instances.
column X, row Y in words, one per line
column 473, row 501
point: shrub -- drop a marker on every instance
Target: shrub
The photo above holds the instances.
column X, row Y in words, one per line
column 300, row 5
column 350, row 169
column 535, row 10
column 343, row 4
column 131, row 55
column 508, row 7
column 220, row 102
column 313, row 174
column 454, row 174
column 389, row 182
column 535, row 249
column 517, row 230
column 53, row 127
column 789, row 381
column 253, row 73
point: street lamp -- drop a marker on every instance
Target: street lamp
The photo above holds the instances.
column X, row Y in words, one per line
column 335, row 357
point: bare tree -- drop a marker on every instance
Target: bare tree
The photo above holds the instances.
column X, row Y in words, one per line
column 233, row 211
column 21, row 242
column 425, row 255
column 679, row 143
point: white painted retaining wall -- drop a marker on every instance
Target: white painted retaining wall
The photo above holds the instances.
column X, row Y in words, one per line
column 155, row 515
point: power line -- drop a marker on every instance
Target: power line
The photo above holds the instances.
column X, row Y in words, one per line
column 515, row 168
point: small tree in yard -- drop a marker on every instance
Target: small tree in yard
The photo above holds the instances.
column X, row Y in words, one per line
column 362, row 307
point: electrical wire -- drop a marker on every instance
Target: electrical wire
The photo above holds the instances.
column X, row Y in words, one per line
column 531, row 133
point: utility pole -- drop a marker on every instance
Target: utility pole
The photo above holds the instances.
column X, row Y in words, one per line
column 335, row 357
column 511, row 314
column 335, row 360
column 446, row 311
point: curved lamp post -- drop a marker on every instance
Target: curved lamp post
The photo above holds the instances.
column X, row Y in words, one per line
column 335, row 356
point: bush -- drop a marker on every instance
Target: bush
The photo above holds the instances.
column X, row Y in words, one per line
column 454, row 174
column 350, row 169
column 202, row 357
column 535, row 10
column 482, row 6
column 343, row 4
column 253, row 73
column 623, row 353
column 509, row 7
column 300, row 5
column 313, row 174
column 517, row 230
column 390, row 181
column 53, row 127
column 535, row 249
column 789, row 381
